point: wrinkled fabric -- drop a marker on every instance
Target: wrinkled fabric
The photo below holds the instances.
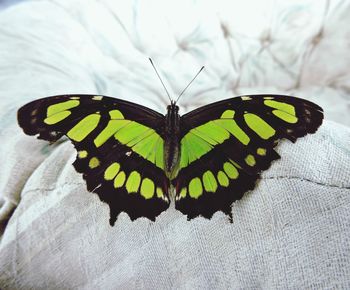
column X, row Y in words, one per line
column 291, row 231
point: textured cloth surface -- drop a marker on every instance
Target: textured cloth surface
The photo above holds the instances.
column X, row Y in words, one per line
column 292, row 231
column 291, row 228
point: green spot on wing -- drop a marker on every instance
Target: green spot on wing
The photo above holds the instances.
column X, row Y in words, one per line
column 131, row 131
column 232, row 127
column 285, row 116
column 200, row 140
column 112, row 127
column 228, row 114
column 82, row 154
column 84, row 127
column 94, row 162
column 209, row 181
column 147, row 188
column 230, row 170
column 204, row 136
column 159, row 151
column 112, row 171
column 259, row 126
column 184, row 154
column 133, row 182
column 287, row 108
column 56, row 108
column 120, row 179
column 140, row 138
column 261, row 151
column 214, row 131
column 223, row 179
column 194, row 146
column 159, row 192
column 55, row 118
column 146, row 147
column 250, row 160
column 116, row 114
column 195, row 188
column 183, row 192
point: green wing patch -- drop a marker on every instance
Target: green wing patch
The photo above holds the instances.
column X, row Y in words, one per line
column 200, row 140
column 226, row 145
column 119, row 150
column 141, row 139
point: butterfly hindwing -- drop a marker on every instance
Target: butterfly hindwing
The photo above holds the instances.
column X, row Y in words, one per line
column 124, row 180
column 119, row 148
column 226, row 145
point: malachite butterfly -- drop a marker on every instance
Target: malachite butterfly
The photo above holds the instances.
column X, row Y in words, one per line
column 138, row 160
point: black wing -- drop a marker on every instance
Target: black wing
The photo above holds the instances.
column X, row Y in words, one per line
column 119, row 148
column 226, row 145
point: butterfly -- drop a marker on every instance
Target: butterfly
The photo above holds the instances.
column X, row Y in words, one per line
column 138, row 160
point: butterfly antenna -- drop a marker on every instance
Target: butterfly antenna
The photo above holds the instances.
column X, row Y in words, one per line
column 189, row 83
column 160, row 79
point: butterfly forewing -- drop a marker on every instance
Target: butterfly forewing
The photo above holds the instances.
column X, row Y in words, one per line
column 226, row 145
column 119, row 148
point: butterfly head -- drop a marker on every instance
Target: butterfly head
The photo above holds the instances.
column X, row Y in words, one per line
column 172, row 108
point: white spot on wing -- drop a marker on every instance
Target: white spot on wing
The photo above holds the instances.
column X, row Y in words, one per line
column 97, row 98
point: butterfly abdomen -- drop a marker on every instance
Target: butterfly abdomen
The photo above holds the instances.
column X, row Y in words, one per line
column 172, row 139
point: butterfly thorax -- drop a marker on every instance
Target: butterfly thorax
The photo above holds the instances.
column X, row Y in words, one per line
column 172, row 139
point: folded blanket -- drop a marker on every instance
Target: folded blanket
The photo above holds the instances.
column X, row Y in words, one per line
column 291, row 231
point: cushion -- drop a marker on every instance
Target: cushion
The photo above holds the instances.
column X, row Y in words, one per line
column 293, row 226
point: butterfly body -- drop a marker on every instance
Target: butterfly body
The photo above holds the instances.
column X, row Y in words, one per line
column 136, row 159
column 172, row 139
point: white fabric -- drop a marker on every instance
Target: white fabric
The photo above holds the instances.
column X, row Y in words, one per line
column 292, row 231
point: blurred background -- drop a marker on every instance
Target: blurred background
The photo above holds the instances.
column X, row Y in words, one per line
column 298, row 47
